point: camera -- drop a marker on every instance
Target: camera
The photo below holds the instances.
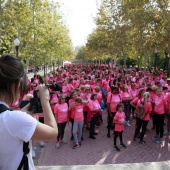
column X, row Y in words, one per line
column 54, row 87
column 35, row 103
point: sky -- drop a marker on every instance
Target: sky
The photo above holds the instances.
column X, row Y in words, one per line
column 79, row 16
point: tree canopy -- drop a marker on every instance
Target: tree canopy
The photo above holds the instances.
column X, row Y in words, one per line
column 39, row 26
column 130, row 29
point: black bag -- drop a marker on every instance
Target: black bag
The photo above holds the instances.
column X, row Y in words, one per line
column 26, row 150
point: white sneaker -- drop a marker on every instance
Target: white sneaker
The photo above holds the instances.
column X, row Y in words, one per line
column 33, row 154
column 57, row 145
column 42, row 143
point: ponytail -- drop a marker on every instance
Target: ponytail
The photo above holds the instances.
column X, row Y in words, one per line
column 146, row 97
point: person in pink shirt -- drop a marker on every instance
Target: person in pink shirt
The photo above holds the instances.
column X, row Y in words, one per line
column 75, row 82
column 81, row 83
column 143, row 122
column 65, row 89
column 78, row 121
column 113, row 99
column 134, row 93
column 153, row 95
column 168, row 114
column 61, row 115
column 119, row 120
column 72, row 101
column 126, row 99
column 160, row 108
column 53, row 100
column 94, row 108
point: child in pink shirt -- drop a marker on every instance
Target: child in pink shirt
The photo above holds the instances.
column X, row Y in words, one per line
column 78, row 122
column 119, row 120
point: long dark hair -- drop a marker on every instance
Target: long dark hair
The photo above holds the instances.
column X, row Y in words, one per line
column 11, row 74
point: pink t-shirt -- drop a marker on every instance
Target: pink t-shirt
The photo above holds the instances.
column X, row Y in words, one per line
column 86, row 96
column 133, row 93
column 125, row 95
column 159, row 104
column 78, row 113
column 54, row 101
column 168, row 101
column 70, row 87
column 75, row 83
column 65, row 90
column 61, row 112
column 72, row 111
column 99, row 97
column 105, row 83
column 93, row 104
column 153, row 95
column 119, row 117
column 113, row 100
column 134, row 101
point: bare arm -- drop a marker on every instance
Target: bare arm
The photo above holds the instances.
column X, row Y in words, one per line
column 48, row 130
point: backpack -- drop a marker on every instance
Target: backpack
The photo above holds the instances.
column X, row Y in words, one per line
column 26, row 150
column 140, row 112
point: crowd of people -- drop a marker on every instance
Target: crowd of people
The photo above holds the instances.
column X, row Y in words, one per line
column 89, row 89
column 78, row 94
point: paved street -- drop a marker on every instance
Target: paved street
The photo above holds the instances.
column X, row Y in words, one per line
column 100, row 151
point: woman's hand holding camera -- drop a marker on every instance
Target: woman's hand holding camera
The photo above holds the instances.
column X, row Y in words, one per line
column 43, row 93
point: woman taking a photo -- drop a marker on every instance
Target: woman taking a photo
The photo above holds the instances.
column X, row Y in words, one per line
column 17, row 127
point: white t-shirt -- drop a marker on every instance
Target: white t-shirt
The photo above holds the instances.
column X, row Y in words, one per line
column 15, row 127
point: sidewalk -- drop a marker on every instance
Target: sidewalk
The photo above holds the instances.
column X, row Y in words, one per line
column 135, row 166
column 101, row 151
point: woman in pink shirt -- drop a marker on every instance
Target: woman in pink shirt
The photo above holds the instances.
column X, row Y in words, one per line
column 119, row 120
column 153, row 95
column 72, row 101
column 94, row 108
column 113, row 99
column 134, row 93
column 53, row 100
column 61, row 115
column 160, row 108
column 143, row 122
column 126, row 99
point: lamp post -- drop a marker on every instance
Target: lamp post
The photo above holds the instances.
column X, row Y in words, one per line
column 138, row 62
column 16, row 43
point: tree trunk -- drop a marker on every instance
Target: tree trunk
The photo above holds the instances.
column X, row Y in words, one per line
column 124, row 60
column 169, row 57
column 145, row 60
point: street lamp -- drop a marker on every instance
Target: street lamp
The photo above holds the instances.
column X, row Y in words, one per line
column 138, row 61
column 16, row 43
